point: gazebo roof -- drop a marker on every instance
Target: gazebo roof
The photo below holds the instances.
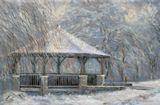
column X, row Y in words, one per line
column 60, row 42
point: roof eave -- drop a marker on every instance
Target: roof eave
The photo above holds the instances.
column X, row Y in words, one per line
column 58, row 54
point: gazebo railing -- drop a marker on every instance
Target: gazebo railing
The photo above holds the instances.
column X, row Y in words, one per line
column 30, row 80
column 63, row 80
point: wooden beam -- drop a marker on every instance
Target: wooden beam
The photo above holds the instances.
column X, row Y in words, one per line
column 34, row 63
column 59, row 61
column 14, row 66
column 72, row 55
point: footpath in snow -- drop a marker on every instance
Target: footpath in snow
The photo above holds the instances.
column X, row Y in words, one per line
column 129, row 96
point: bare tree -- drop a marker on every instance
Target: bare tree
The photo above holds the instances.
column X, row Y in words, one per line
column 24, row 22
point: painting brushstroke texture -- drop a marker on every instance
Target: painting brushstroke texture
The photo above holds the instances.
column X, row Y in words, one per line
column 99, row 52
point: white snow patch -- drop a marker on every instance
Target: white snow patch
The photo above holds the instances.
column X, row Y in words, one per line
column 123, row 97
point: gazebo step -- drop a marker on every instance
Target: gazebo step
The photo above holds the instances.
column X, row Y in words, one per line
column 30, row 89
column 30, row 86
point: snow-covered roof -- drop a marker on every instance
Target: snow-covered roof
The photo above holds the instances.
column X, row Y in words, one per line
column 60, row 42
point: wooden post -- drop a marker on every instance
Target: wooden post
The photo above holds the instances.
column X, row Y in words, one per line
column 83, row 68
column 102, row 63
column 58, row 65
column 15, row 75
column 82, row 61
column 101, row 77
column 15, row 61
column 59, row 62
column 44, row 79
column 108, row 67
column 34, row 62
column 45, row 60
column 83, row 77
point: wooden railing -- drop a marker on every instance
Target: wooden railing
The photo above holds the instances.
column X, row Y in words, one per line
column 54, row 80
column 92, row 79
column 63, row 80
column 30, row 80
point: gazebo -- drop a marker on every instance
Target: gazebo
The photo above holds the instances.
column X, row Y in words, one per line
column 57, row 45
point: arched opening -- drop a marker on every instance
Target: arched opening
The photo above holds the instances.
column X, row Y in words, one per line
column 51, row 66
column 92, row 69
column 92, row 66
column 70, row 65
column 24, row 65
column 39, row 65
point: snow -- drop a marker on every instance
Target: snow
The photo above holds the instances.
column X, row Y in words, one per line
column 129, row 96
column 151, row 84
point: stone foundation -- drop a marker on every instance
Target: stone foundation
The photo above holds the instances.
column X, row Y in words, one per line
column 83, row 80
column 44, row 85
column 16, row 82
column 100, row 80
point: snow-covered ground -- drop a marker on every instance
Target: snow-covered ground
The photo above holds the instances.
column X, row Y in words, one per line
column 124, row 97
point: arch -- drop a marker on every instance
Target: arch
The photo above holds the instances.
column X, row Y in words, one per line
column 24, row 65
column 39, row 65
column 51, row 66
column 70, row 65
column 92, row 66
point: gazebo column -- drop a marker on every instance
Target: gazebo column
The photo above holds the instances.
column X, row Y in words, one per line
column 44, row 78
column 34, row 63
column 15, row 74
column 44, row 85
column 101, row 77
column 82, row 77
column 58, row 65
column 45, row 60
column 59, row 62
column 108, row 66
